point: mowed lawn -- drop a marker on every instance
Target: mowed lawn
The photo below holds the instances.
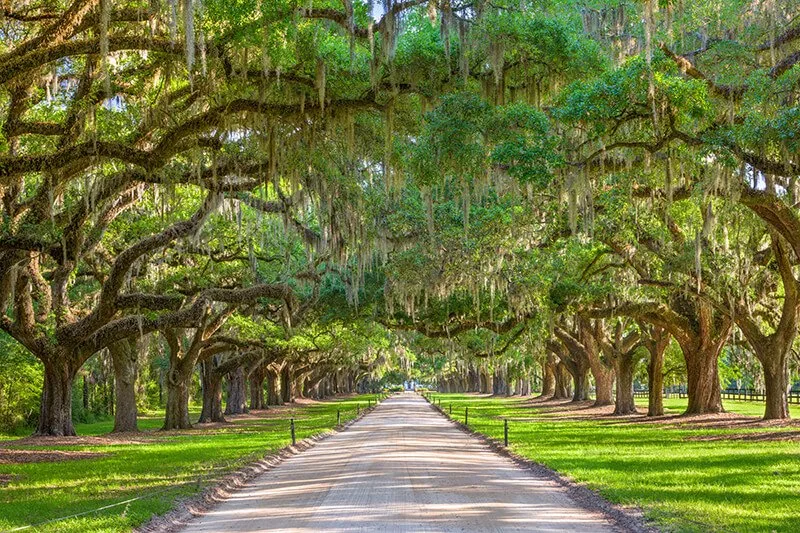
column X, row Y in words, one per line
column 695, row 478
column 158, row 468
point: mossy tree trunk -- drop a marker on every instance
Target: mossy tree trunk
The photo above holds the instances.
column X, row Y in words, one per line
column 237, row 392
column 212, row 392
column 257, row 377
column 55, row 413
column 656, row 339
column 124, row 358
column 548, row 376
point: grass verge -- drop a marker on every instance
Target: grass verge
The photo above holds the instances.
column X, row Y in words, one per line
column 726, row 473
column 154, row 468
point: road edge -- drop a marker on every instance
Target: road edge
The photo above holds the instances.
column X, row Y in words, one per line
column 626, row 519
column 187, row 509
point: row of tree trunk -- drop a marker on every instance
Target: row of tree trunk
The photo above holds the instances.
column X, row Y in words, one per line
column 248, row 387
column 477, row 378
column 571, row 360
column 609, row 358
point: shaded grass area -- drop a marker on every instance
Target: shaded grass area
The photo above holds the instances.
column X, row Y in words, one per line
column 680, row 482
column 159, row 468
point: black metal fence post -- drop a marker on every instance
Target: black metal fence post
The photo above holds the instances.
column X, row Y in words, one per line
column 466, row 416
column 505, row 432
column 451, row 408
column 291, row 427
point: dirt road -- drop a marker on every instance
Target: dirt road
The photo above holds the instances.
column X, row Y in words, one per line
column 403, row 467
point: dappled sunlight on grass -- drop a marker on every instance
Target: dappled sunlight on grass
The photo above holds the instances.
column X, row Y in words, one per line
column 162, row 467
column 680, row 482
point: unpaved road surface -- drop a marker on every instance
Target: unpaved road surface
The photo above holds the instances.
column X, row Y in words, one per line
column 403, row 467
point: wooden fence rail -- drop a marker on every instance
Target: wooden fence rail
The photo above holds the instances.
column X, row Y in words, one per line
column 752, row 395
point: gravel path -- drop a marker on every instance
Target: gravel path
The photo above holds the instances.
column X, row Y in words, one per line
column 403, row 467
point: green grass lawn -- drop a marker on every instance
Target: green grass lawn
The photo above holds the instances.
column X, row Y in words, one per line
column 159, row 468
column 680, row 482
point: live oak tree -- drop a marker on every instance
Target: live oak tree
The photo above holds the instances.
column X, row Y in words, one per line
column 685, row 134
column 494, row 176
column 735, row 145
column 107, row 99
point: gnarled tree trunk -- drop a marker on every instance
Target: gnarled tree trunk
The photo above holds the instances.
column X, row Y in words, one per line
column 702, row 373
column 181, row 367
column 549, row 376
column 124, row 356
column 625, row 366
column 287, row 394
column 603, row 385
column 563, row 378
column 701, row 331
column 776, row 385
column 580, row 380
column 621, row 348
column 701, row 344
column 590, row 335
column 298, row 384
column 212, row 393
column 772, row 350
column 257, row 377
column 576, row 355
column 273, row 390
column 655, row 385
column 656, row 341
column 55, row 413
column 576, row 368
column 237, row 393
column 178, row 380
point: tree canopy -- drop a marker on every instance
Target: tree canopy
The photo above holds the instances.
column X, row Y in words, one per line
column 498, row 196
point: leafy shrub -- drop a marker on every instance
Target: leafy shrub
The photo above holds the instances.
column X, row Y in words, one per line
column 21, row 378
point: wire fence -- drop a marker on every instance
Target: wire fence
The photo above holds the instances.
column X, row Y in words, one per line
column 464, row 415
